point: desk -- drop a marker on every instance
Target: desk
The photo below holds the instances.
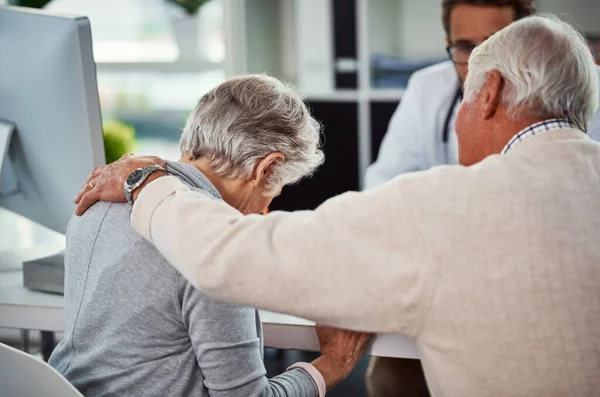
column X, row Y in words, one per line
column 24, row 309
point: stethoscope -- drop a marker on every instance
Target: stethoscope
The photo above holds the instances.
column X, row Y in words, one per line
column 457, row 99
column 446, row 132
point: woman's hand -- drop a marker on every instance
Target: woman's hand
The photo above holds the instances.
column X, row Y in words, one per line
column 340, row 352
column 107, row 183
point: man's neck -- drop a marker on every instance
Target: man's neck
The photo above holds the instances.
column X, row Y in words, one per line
column 506, row 131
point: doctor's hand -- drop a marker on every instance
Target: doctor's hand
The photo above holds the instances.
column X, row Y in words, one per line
column 106, row 183
column 341, row 351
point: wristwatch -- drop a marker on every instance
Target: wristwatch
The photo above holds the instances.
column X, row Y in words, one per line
column 137, row 179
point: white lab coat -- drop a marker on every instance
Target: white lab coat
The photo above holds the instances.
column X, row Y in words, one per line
column 413, row 141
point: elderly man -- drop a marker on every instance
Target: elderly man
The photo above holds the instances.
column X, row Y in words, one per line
column 421, row 134
column 492, row 266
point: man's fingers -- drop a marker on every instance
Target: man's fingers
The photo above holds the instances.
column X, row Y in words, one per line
column 77, row 198
column 107, row 177
column 86, row 186
column 95, row 172
column 86, row 200
column 89, row 178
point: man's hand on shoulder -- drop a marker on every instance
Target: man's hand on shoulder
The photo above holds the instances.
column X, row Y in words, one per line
column 106, row 183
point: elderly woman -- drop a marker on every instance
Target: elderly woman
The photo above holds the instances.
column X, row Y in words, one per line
column 134, row 326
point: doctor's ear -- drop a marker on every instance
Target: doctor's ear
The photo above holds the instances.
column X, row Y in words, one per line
column 492, row 93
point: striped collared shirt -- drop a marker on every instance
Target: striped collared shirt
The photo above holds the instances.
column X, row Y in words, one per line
column 537, row 129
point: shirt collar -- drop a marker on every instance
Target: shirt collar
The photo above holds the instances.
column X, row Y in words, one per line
column 538, row 129
column 189, row 174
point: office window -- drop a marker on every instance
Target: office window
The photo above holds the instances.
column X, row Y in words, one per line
column 152, row 63
column 147, row 30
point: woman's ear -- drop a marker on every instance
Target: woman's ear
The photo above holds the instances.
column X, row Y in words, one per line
column 264, row 167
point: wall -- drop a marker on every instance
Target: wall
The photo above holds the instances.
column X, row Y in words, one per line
column 410, row 28
column 263, row 35
column 413, row 28
column 585, row 13
column 383, row 26
column 420, row 28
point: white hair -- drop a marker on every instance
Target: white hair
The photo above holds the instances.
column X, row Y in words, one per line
column 245, row 119
column 547, row 67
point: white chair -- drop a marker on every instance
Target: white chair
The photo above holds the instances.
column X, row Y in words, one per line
column 22, row 375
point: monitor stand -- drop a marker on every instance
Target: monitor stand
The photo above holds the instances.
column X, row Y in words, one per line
column 10, row 261
column 45, row 274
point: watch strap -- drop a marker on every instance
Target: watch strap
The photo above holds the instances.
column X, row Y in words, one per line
column 146, row 172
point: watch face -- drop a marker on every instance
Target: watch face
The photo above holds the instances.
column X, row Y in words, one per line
column 135, row 177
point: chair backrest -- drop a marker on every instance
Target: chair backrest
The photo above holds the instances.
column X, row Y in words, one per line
column 22, row 375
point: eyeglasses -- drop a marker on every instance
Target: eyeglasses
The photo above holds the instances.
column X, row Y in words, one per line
column 460, row 52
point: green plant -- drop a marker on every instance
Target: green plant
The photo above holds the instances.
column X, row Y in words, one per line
column 29, row 3
column 119, row 139
column 190, row 7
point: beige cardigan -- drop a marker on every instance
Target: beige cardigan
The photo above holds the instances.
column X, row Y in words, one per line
column 494, row 269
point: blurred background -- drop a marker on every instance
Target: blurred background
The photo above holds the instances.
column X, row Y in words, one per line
column 351, row 59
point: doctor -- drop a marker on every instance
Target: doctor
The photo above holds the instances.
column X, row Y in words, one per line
column 421, row 132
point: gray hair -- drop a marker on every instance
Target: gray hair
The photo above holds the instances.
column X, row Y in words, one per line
column 547, row 66
column 246, row 118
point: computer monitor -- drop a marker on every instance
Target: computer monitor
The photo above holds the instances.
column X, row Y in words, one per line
column 50, row 124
